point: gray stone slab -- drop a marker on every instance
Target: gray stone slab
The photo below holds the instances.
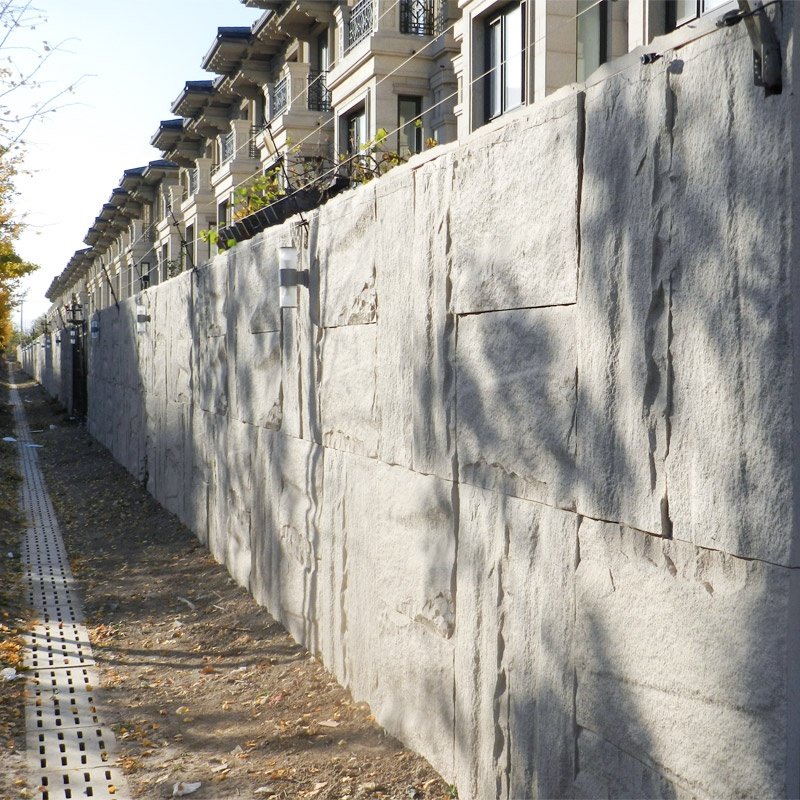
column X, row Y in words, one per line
column 681, row 656
column 295, row 545
column 345, row 255
column 730, row 462
column 608, row 772
column 516, row 390
column 514, row 673
column 381, row 522
column 527, row 167
column 349, row 416
column 625, row 300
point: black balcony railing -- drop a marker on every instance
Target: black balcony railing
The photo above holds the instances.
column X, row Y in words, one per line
column 280, row 96
column 362, row 21
column 416, row 17
column 255, row 131
column 319, row 96
column 226, row 147
column 442, row 20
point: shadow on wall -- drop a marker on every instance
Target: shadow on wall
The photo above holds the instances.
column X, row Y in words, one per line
column 546, row 534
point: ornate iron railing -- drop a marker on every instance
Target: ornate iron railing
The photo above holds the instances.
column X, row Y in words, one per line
column 319, row 96
column 442, row 21
column 194, row 181
column 280, row 96
column 416, row 17
column 255, row 130
column 226, row 147
column 362, row 21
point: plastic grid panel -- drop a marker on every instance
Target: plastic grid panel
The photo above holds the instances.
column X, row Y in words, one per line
column 70, row 753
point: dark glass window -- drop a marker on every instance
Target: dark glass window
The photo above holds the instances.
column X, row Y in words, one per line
column 356, row 130
column 592, row 46
column 505, row 60
column 409, row 125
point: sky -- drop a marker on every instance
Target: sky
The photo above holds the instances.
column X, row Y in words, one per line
column 128, row 60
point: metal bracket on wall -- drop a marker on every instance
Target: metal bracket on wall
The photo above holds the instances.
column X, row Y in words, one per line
column 766, row 48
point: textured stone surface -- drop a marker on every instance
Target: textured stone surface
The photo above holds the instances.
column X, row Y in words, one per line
column 625, row 300
column 345, row 256
column 729, row 468
column 536, row 264
column 381, row 523
column 608, row 772
column 681, row 660
column 516, row 386
column 349, row 416
column 514, row 691
column 416, row 396
column 295, row 545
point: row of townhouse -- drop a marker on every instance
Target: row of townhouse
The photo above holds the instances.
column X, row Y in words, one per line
column 311, row 84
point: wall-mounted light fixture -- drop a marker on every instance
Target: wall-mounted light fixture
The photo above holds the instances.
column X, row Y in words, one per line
column 141, row 318
column 290, row 277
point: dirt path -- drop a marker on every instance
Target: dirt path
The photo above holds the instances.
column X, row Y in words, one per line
column 200, row 684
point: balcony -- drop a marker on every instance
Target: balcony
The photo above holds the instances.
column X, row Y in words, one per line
column 319, row 96
column 417, row 17
column 255, row 130
column 227, row 148
column 362, row 22
column 280, row 96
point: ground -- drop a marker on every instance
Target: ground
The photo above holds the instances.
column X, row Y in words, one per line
column 200, row 683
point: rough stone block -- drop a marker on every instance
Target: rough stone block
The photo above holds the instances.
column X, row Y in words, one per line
column 256, row 380
column 514, row 673
column 625, row 298
column 730, row 461
column 254, row 285
column 682, row 660
column 415, row 392
column 608, row 772
column 380, row 522
column 211, row 374
column 210, row 297
column 349, row 416
column 529, row 169
column 264, row 502
column 236, row 445
column 295, row 545
column 345, row 257
column 516, row 390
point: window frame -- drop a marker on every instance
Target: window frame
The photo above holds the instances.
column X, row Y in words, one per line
column 495, row 85
column 401, row 126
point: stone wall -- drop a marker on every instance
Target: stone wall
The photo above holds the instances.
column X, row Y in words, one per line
column 521, row 466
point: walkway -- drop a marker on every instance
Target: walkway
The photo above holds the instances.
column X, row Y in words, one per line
column 70, row 752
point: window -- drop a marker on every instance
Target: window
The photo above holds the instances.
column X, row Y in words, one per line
column 593, row 45
column 505, row 60
column 222, row 214
column 416, row 17
column 190, row 245
column 164, row 259
column 409, row 125
column 356, row 130
column 679, row 12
